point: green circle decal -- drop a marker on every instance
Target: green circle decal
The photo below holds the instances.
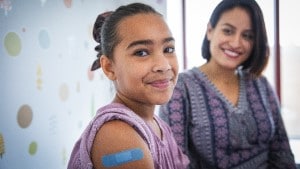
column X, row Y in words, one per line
column 12, row 44
column 32, row 148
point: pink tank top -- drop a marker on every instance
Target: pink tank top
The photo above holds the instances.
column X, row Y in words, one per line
column 165, row 152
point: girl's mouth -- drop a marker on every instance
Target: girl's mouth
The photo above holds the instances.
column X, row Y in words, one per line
column 161, row 84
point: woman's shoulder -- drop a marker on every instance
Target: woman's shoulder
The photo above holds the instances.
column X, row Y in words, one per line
column 189, row 72
column 248, row 77
column 190, row 75
column 262, row 83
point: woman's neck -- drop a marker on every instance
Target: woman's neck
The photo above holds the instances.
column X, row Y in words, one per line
column 217, row 74
column 226, row 81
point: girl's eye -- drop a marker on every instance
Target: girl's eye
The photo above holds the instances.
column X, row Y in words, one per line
column 141, row 53
column 169, row 50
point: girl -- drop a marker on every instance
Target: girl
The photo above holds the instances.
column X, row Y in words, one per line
column 137, row 53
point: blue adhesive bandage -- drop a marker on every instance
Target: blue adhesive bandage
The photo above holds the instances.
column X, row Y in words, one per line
column 122, row 157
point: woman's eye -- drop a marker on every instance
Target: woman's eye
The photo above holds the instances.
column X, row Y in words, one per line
column 141, row 53
column 169, row 50
column 227, row 31
column 248, row 36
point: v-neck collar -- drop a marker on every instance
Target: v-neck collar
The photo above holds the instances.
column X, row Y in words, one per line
column 242, row 98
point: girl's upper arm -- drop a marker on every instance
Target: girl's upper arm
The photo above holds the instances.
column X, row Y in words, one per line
column 117, row 145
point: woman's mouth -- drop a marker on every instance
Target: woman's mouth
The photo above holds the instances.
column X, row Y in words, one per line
column 231, row 53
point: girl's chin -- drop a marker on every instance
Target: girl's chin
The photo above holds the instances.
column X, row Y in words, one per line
column 162, row 101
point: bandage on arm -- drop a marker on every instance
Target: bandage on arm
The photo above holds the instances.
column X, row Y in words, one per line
column 118, row 146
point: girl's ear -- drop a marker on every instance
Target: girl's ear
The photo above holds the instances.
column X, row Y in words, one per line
column 209, row 31
column 107, row 67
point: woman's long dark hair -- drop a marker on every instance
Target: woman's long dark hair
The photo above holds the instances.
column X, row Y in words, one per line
column 259, row 56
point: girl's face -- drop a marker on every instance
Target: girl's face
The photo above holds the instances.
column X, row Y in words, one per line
column 231, row 41
column 145, row 66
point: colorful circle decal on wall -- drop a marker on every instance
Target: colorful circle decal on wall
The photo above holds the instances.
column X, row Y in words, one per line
column 2, row 147
column 32, row 149
column 64, row 92
column 24, row 116
column 12, row 44
column 68, row 3
column 44, row 39
column 39, row 81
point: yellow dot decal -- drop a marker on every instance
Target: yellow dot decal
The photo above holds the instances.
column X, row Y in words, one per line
column 64, row 92
column 39, row 80
column 2, row 147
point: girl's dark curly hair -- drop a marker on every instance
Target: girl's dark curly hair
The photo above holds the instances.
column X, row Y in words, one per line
column 105, row 30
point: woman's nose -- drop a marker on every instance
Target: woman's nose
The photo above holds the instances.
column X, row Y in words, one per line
column 236, row 41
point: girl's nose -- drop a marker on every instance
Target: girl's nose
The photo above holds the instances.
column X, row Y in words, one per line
column 161, row 63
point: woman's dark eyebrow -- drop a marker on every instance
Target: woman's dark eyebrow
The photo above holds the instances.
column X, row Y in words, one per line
column 147, row 42
column 231, row 26
column 228, row 25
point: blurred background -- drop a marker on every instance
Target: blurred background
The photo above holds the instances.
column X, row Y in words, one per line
column 48, row 95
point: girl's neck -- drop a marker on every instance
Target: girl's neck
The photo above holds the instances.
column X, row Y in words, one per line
column 146, row 112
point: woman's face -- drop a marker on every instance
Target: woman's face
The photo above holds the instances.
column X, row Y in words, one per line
column 231, row 41
column 145, row 64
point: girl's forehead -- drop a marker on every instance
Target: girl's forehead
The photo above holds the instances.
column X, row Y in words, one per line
column 140, row 21
column 143, row 26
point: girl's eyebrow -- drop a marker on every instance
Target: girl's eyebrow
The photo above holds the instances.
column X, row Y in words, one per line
column 147, row 42
column 140, row 42
column 169, row 39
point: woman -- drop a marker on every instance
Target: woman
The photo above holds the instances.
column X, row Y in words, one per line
column 137, row 53
column 224, row 113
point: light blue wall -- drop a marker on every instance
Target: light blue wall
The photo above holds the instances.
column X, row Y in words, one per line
column 48, row 95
